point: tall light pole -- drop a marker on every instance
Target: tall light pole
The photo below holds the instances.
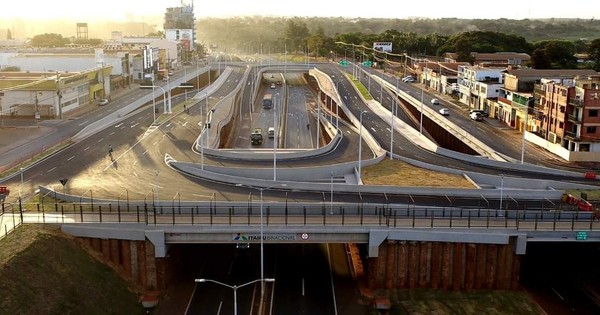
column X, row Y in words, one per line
column 275, row 136
column 523, row 142
column 21, row 187
column 331, row 201
column 501, row 192
column 421, row 119
column 360, row 147
column 262, row 249
column 153, row 98
column 234, row 288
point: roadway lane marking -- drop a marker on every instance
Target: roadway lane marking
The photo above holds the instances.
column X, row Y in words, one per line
column 100, row 140
column 112, row 133
column 133, row 126
column 86, row 148
column 84, row 123
column 72, row 157
column 157, row 186
column 331, row 280
column 50, row 170
column 555, row 292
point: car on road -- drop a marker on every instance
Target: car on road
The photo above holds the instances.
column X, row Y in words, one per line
column 444, row 112
column 476, row 116
column 165, row 79
column 103, row 101
column 170, row 72
column 482, row 112
column 272, row 85
column 408, row 79
column 435, row 101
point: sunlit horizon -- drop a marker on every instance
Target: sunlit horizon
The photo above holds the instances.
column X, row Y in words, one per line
column 59, row 16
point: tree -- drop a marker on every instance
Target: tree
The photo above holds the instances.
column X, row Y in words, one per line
column 296, row 34
column 540, row 60
column 560, row 54
column 48, row 40
column 594, row 54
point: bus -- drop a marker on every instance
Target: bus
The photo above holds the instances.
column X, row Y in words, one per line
column 267, row 101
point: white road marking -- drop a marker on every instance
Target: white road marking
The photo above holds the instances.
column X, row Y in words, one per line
column 50, row 170
column 72, row 157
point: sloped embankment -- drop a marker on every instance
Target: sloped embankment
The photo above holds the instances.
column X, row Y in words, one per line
column 43, row 271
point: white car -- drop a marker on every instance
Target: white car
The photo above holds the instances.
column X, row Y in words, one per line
column 476, row 116
column 103, row 102
column 408, row 79
column 272, row 85
column 435, row 101
column 444, row 112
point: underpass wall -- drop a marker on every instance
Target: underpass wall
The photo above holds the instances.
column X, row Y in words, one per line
column 132, row 259
column 442, row 265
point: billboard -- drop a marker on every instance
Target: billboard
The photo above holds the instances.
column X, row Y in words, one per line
column 383, row 46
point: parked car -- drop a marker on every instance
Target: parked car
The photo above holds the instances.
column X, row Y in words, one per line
column 165, row 79
column 476, row 116
column 272, row 85
column 435, row 101
column 103, row 102
column 170, row 72
column 444, row 112
column 482, row 112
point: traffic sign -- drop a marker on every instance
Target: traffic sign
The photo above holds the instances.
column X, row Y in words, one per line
column 581, row 236
column 344, row 63
column 304, row 236
column 368, row 63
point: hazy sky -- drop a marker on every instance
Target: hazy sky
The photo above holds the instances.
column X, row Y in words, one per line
column 132, row 10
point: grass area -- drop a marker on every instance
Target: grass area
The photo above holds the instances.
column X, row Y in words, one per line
column 440, row 302
column 398, row 173
column 591, row 194
column 46, row 272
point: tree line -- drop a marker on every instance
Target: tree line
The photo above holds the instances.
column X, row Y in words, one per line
column 552, row 43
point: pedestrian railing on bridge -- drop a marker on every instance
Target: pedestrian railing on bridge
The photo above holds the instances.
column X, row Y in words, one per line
column 284, row 214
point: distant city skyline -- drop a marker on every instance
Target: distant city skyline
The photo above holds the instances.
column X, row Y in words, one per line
column 118, row 10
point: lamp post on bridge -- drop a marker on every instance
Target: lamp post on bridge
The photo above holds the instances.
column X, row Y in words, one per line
column 262, row 250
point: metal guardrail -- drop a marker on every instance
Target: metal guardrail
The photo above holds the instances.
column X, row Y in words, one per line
column 312, row 215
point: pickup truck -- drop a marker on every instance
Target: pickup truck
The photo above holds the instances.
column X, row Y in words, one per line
column 256, row 137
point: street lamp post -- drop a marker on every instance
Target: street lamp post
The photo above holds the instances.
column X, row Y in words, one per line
column 360, row 146
column 21, row 187
column 235, row 287
column 275, row 136
column 501, row 192
column 153, row 98
column 262, row 250
column 331, row 201
column 421, row 119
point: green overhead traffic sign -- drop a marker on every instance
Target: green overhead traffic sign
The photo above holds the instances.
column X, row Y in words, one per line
column 368, row 63
column 344, row 63
column 581, row 236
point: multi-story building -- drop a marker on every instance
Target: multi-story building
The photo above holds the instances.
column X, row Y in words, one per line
column 567, row 116
column 180, row 27
column 477, row 85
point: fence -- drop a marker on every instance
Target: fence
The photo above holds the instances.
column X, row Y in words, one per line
column 284, row 214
